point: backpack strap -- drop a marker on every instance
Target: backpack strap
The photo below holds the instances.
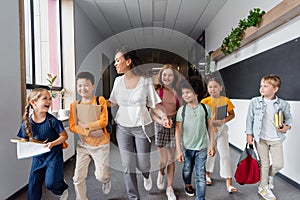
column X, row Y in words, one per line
column 177, row 102
column 161, row 93
column 97, row 100
column 206, row 114
column 183, row 114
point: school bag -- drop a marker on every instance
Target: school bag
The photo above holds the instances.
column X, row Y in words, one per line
column 248, row 167
column 109, row 126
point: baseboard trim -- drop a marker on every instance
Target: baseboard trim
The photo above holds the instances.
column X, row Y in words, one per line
column 287, row 179
column 18, row 193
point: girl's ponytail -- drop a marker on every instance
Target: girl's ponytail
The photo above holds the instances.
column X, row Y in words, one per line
column 26, row 120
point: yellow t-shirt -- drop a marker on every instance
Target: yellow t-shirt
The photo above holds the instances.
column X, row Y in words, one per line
column 213, row 103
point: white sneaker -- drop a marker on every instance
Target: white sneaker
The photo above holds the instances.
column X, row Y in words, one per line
column 160, row 181
column 266, row 193
column 106, row 187
column 271, row 182
column 64, row 195
column 170, row 193
column 148, row 183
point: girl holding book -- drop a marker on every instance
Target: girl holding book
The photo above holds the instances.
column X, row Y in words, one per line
column 218, row 102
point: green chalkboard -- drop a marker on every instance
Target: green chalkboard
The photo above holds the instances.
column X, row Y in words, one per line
column 242, row 79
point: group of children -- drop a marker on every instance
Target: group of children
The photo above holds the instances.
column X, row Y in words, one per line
column 191, row 117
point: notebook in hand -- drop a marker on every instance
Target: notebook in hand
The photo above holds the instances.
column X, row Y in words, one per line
column 221, row 112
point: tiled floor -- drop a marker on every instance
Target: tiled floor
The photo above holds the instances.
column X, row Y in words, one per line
column 283, row 190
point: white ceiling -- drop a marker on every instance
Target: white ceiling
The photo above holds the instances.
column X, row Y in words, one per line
column 189, row 17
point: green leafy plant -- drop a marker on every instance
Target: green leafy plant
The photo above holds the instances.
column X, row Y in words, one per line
column 233, row 40
column 51, row 80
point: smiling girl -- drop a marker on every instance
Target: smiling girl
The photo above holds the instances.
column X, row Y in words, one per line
column 214, row 101
column 165, row 137
column 37, row 126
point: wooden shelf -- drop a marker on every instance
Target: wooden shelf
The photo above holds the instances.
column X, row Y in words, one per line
column 280, row 14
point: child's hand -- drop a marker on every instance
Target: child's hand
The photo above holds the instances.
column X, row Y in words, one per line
column 180, row 157
column 84, row 125
column 212, row 151
column 167, row 123
column 284, row 129
column 250, row 139
column 96, row 133
column 49, row 145
column 218, row 123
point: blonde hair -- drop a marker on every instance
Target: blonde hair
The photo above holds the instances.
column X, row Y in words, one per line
column 176, row 77
column 272, row 79
column 33, row 95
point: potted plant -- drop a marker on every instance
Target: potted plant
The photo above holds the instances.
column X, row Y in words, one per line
column 62, row 112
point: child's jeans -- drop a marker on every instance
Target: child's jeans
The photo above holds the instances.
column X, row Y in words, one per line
column 198, row 159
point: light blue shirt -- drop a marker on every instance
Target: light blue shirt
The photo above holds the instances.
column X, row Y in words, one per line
column 256, row 111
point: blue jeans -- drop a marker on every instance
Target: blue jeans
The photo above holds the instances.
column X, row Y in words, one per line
column 198, row 159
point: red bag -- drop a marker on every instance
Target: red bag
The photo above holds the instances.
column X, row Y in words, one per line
column 248, row 167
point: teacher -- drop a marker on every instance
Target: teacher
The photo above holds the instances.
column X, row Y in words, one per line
column 134, row 93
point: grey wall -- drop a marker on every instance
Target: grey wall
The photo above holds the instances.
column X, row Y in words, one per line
column 13, row 172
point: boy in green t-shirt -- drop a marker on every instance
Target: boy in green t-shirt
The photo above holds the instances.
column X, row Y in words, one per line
column 192, row 121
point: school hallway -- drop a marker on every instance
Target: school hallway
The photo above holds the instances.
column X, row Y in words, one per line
column 283, row 190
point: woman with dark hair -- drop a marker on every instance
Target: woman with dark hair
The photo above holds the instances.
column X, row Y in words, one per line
column 134, row 94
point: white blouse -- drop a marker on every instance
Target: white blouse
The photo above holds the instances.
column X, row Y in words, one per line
column 133, row 103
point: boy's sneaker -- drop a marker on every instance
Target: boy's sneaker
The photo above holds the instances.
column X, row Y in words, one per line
column 170, row 193
column 148, row 183
column 266, row 193
column 106, row 187
column 64, row 195
column 189, row 190
column 160, row 181
column 271, row 183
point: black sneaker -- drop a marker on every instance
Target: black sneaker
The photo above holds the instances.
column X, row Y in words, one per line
column 189, row 190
